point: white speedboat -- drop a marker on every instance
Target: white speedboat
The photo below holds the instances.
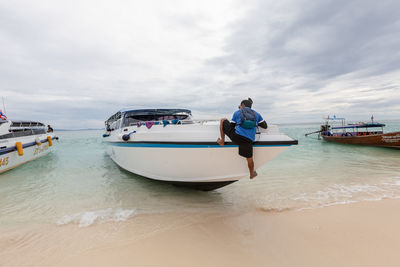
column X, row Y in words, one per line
column 22, row 141
column 168, row 145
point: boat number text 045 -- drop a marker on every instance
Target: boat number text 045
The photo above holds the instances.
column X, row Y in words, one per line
column 4, row 161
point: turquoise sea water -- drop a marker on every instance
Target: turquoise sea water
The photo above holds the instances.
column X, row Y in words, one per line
column 78, row 183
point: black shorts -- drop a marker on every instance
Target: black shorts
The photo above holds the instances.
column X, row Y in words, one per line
column 245, row 144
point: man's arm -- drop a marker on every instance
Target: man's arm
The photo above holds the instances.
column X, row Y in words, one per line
column 235, row 118
column 263, row 124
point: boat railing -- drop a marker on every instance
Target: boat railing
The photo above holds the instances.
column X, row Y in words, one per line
column 204, row 121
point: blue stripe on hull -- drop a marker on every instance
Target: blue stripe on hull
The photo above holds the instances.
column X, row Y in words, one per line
column 182, row 145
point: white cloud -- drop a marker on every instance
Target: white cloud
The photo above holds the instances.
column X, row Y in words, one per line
column 74, row 63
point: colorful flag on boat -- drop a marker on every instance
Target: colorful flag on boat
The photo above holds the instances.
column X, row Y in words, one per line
column 149, row 124
column 2, row 115
column 165, row 123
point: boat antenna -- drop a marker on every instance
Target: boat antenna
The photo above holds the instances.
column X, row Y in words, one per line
column 4, row 106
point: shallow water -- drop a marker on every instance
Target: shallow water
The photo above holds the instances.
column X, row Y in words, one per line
column 78, row 183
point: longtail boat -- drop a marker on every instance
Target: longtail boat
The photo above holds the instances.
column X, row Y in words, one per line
column 362, row 133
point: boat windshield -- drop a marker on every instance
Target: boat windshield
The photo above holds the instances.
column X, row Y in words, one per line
column 135, row 116
column 114, row 118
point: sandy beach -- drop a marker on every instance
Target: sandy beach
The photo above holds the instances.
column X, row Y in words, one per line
column 359, row 234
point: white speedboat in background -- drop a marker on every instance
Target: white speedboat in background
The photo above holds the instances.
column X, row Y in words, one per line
column 167, row 145
column 22, row 141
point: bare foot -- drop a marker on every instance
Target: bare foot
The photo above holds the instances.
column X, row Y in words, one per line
column 221, row 142
column 254, row 174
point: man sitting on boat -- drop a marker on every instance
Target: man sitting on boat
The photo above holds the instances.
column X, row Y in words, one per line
column 242, row 131
column 49, row 129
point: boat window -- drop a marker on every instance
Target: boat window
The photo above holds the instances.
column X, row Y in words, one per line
column 22, row 132
column 113, row 126
column 111, row 120
column 118, row 124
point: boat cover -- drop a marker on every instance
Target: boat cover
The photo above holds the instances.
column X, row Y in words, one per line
column 361, row 125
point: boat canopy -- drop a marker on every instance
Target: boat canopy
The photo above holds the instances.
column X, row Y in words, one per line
column 132, row 116
column 26, row 124
column 156, row 111
column 334, row 118
column 361, row 125
column 22, row 128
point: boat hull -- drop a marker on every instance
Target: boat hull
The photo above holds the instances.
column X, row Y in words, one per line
column 202, row 186
column 382, row 140
column 9, row 158
column 188, row 154
column 193, row 165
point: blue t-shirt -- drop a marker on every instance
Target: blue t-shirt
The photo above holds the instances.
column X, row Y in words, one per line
column 248, row 133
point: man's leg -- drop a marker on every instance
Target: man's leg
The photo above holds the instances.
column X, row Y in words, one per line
column 250, row 164
column 221, row 141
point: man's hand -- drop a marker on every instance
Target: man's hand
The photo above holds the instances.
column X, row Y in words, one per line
column 263, row 125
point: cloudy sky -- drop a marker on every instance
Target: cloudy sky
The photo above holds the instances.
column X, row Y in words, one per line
column 74, row 63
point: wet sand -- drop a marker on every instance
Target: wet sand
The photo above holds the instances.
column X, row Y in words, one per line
column 360, row 234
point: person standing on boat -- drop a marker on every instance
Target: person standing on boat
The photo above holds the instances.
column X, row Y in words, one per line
column 242, row 131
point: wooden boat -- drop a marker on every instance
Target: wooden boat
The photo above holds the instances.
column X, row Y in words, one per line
column 369, row 134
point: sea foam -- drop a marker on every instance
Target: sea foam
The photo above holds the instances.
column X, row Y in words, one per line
column 84, row 219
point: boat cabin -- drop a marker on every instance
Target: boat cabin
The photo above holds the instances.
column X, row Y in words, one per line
column 11, row 129
column 131, row 117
